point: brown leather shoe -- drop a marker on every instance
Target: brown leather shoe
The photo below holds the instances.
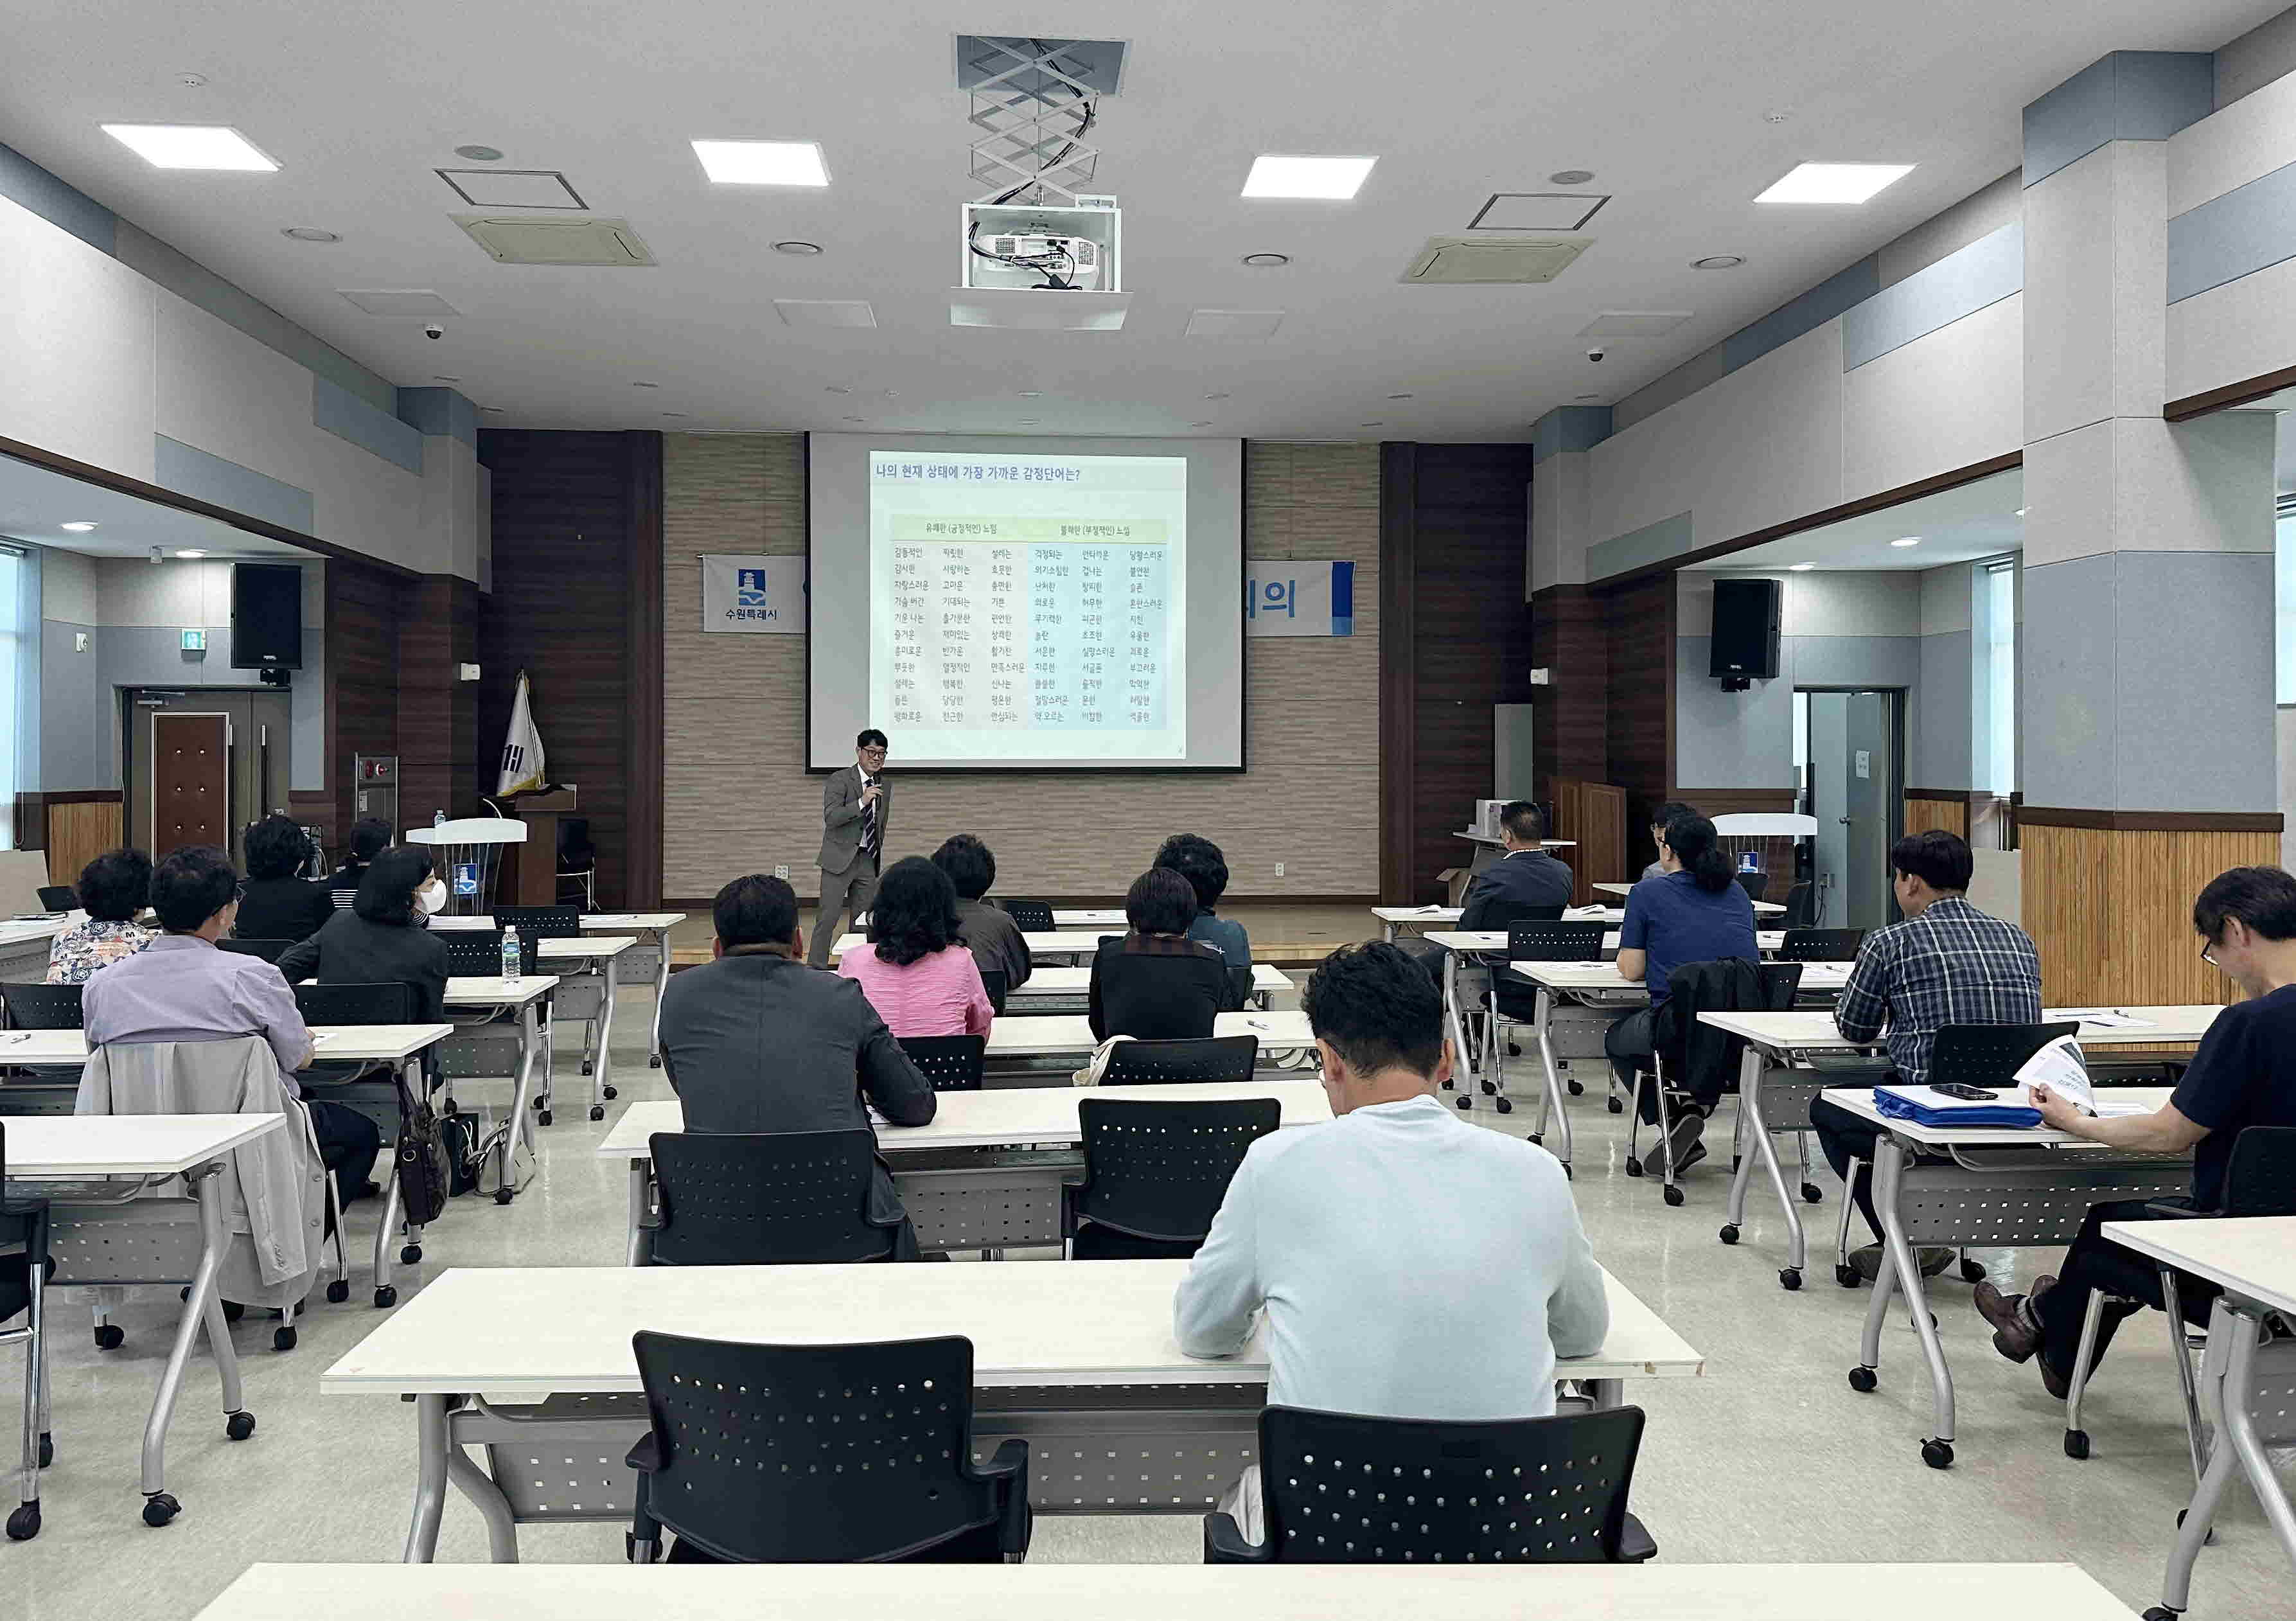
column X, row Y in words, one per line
column 2016, row 1335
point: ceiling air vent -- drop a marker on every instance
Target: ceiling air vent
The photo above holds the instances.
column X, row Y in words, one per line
column 1475, row 260
column 521, row 239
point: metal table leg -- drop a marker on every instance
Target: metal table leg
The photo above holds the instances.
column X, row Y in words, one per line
column 601, row 1084
column 203, row 1306
column 386, row 1292
column 478, row 1486
column 641, row 1191
column 660, row 938
column 1462, row 1076
column 429, row 1479
column 1606, row 1394
column 1754, row 1122
column 521, row 1121
column 1553, row 1095
column 1900, row 1269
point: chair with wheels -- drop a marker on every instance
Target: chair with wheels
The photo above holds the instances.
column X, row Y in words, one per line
column 751, row 1455
column 1513, row 1000
column 1155, row 1173
column 769, row 1200
column 579, row 995
column 952, row 1063
column 1030, row 917
column 370, row 1090
column 58, row 898
column 24, row 1269
column 1700, row 1059
column 1187, row 1058
column 994, row 981
column 42, row 1007
column 270, row 950
column 1339, row 1489
column 1802, row 907
column 476, row 953
column 2259, row 1180
column 1757, row 885
column 1821, row 945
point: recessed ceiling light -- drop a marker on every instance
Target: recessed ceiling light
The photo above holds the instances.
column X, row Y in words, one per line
column 1215, row 397
column 762, row 162
column 1800, row 568
column 1907, row 541
column 2021, row 512
column 309, row 234
column 1718, row 261
column 479, row 154
column 645, row 386
column 77, row 529
column 1335, row 179
column 1201, row 425
column 190, row 147
column 1032, row 393
column 1835, row 182
column 796, row 249
column 1571, row 177
column 1030, row 422
column 1267, row 261
column 190, row 552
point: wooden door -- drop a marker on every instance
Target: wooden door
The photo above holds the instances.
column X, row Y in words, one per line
column 191, row 755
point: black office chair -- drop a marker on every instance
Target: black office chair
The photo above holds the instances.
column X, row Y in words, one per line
column 1189, row 1058
column 42, row 1007
column 1344, row 1490
column 1513, row 1000
column 1821, row 945
column 804, row 1454
column 270, row 950
column 58, row 897
column 1757, row 885
column 1700, row 1058
column 1032, row 917
column 951, row 1063
column 534, row 923
column 993, row 981
column 578, row 859
column 474, row 953
column 1239, row 990
column 772, row 1199
column 1154, row 1173
column 24, row 1270
column 390, row 1003
column 1802, row 907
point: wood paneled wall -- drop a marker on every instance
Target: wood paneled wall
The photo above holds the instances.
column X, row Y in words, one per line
column 81, row 826
column 577, row 537
column 1570, row 714
column 2110, row 909
column 438, row 711
column 365, row 606
column 1638, row 715
column 737, row 797
column 1942, row 810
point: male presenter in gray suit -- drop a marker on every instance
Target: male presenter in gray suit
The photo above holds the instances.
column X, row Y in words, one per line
column 854, row 806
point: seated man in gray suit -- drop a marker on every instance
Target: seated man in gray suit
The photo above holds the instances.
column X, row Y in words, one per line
column 855, row 805
column 1525, row 877
column 755, row 1040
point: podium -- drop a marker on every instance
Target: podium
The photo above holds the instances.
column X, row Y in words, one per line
column 530, row 873
column 467, row 856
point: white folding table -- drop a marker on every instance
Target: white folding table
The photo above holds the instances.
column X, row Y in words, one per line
column 536, row 1364
column 653, row 932
column 1109, row 918
column 1281, row 1030
column 1073, row 983
column 464, row 1053
column 992, row 1199
column 2252, row 1260
column 592, row 963
column 1655, row 1591
column 24, row 944
column 147, row 1150
column 1061, row 945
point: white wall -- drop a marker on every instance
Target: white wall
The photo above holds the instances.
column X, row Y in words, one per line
column 2246, row 327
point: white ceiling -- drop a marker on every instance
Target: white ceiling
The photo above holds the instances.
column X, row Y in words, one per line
column 1665, row 100
column 35, row 503
column 1958, row 525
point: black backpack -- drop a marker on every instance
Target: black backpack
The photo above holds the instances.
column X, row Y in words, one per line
column 425, row 1167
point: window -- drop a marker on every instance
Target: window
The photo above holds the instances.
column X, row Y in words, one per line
column 20, row 655
column 1999, row 584
column 2283, row 580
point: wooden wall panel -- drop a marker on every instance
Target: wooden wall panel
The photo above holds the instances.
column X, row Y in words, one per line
column 438, row 711
column 569, row 511
column 1638, row 718
column 364, row 609
column 1592, row 815
column 737, row 797
column 1928, row 812
column 81, row 826
column 1569, row 714
column 2110, row 911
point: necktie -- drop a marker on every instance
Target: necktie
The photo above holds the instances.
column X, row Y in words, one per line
column 869, row 819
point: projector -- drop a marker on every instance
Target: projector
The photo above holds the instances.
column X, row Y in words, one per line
column 1040, row 248
column 1081, row 253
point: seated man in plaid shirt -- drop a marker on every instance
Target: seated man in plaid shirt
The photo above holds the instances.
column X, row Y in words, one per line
column 1948, row 963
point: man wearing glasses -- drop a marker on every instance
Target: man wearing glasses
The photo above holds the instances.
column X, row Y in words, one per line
column 2243, row 1074
column 855, row 804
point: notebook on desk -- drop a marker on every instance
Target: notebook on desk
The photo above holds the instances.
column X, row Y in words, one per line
column 1926, row 1106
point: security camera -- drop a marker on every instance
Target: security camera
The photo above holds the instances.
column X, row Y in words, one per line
column 434, row 331
column 1595, row 355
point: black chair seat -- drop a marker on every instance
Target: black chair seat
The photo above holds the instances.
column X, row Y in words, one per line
column 1155, row 1173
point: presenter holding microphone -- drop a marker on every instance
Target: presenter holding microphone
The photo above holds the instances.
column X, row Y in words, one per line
column 854, row 806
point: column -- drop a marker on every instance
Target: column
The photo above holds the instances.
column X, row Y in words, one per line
column 2146, row 705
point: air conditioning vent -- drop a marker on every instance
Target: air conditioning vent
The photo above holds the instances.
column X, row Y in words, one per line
column 1470, row 260
column 525, row 239
column 1633, row 323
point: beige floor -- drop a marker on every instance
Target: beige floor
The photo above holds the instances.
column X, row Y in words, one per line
column 1769, row 1457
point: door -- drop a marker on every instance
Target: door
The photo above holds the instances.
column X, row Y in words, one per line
column 256, row 767
column 191, row 780
column 1829, row 799
column 1872, row 806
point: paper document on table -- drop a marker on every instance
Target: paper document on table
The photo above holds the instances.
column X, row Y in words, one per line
column 876, row 1119
column 2105, row 1018
column 320, row 1037
column 2060, row 1067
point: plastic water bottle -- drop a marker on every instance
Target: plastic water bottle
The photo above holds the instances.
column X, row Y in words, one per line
column 510, row 955
column 438, row 818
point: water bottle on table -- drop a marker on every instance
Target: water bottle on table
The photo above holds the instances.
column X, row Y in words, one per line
column 510, row 955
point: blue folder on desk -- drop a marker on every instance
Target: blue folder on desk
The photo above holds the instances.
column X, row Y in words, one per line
column 1923, row 1106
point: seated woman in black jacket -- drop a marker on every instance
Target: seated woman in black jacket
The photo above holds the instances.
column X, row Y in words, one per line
column 274, row 903
column 1155, row 984
column 377, row 942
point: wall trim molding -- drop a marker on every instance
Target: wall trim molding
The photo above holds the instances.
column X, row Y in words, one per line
column 2151, row 821
column 1879, row 501
column 1956, row 796
column 74, row 796
column 1733, row 801
column 2229, row 394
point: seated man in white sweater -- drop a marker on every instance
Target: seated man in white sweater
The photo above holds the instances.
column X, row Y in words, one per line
column 1399, row 1240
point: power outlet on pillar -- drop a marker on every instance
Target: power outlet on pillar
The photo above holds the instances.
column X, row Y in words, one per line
column 780, row 869
column 1279, row 870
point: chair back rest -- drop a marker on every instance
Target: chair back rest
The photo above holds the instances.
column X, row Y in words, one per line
column 1188, row 1058
column 574, row 840
column 1507, row 914
column 951, row 1063
column 388, row 1003
column 1030, row 917
column 1757, row 885
column 1989, row 1055
column 1820, row 945
column 540, row 922
column 1696, row 1055
column 777, row 1198
column 1781, row 983
column 1159, row 1169
column 42, row 1007
column 787, row 1453
column 1239, row 988
column 1342, row 1489
column 993, row 981
column 1423, row 952
column 474, row 953
column 1802, row 907
column 1549, row 941
column 270, row 950
column 58, row 897
column 2260, row 1178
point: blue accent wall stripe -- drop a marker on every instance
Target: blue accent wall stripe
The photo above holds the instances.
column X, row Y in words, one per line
column 61, row 205
column 439, row 413
column 1569, row 428
column 2128, row 95
column 2248, row 228
column 1961, row 283
column 1667, row 538
column 190, row 471
column 1811, row 311
column 347, row 417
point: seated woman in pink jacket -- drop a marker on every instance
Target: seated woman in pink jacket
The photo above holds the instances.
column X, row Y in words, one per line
column 916, row 972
